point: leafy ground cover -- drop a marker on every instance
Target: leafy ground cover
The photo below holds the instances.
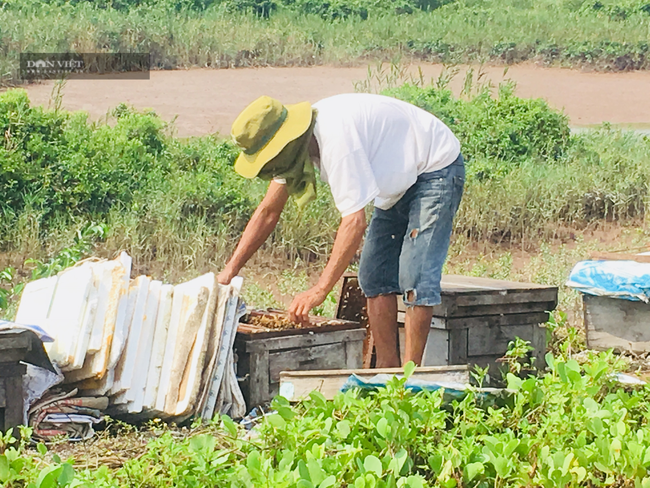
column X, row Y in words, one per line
column 572, row 426
column 605, row 34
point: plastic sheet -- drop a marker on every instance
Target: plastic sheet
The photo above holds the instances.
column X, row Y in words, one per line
column 628, row 280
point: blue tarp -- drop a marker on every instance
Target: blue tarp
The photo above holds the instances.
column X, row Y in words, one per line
column 628, row 280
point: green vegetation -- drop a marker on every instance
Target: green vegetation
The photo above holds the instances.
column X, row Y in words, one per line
column 605, row 34
column 73, row 187
column 572, row 426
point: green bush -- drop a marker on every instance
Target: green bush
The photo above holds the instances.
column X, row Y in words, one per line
column 59, row 162
column 503, row 130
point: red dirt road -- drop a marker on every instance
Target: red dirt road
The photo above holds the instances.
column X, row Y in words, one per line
column 207, row 100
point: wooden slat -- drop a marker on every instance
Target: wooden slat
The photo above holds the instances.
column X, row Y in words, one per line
column 328, row 356
column 494, row 340
column 462, row 284
column 259, row 379
column 14, row 340
column 298, row 384
column 14, row 402
column 3, row 394
column 616, row 323
column 306, row 340
column 619, row 256
column 491, row 320
column 458, row 346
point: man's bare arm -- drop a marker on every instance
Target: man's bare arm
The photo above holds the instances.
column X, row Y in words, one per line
column 348, row 238
column 257, row 230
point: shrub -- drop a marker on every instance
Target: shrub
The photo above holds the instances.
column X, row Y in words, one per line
column 505, row 128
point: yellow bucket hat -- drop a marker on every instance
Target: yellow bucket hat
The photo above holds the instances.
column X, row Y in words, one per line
column 264, row 128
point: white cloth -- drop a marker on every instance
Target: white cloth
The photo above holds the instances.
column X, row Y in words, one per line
column 375, row 147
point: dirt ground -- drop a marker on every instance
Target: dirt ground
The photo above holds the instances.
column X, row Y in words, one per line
column 207, row 100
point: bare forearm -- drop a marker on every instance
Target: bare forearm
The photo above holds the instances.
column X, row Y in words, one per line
column 258, row 229
column 346, row 244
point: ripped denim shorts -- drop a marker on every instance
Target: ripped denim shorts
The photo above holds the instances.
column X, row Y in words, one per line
column 406, row 245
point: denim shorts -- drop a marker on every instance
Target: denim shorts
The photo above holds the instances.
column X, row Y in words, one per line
column 406, row 245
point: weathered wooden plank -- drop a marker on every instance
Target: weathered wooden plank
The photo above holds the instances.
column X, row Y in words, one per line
column 490, row 320
column 617, row 323
column 353, row 354
column 13, row 356
column 462, row 284
column 452, row 307
column 3, row 394
column 458, row 346
column 14, row 340
column 436, row 352
column 259, row 379
column 11, row 369
column 298, row 384
column 494, row 340
column 307, row 340
column 506, row 297
column 14, row 402
column 328, row 356
column 619, row 256
column 503, row 309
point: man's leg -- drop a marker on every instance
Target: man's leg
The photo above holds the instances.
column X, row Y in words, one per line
column 378, row 277
column 416, row 328
column 433, row 202
column 382, row 317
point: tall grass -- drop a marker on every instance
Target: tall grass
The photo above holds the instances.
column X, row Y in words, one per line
column 553, row 31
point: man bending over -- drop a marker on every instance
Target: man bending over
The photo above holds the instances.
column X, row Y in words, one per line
column 367, row 148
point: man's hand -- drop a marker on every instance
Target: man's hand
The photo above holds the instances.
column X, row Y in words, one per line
column 304, row 302
column 225, row 277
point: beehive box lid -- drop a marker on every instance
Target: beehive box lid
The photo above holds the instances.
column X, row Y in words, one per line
column 468, row 296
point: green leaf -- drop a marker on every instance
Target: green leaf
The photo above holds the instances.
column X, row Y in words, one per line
column 229, row 425
column 645, row 483
column 49, row 476
column 4, row 469
column 408, row 369
column 203, row 442
column 253, row 461
column 286, row 413
column 414, row 482
column 327, row 482
column 474, row 469
column 343, row 428
column 360, row 482
column 276, row 421
column 372, row 464
column 316, row 473
column 41, row 448
column 67, row 474
column 382, row 427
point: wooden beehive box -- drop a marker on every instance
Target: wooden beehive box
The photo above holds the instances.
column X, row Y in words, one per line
column 15, row 346
column 477, row 319
column 616, row 323
column 263, row 353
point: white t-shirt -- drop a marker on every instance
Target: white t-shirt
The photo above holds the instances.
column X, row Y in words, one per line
column 375, row 147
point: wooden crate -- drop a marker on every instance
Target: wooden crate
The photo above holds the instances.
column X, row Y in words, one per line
column 477, row 318
column 15, row 347
column 261, row 356
column 616, row 323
